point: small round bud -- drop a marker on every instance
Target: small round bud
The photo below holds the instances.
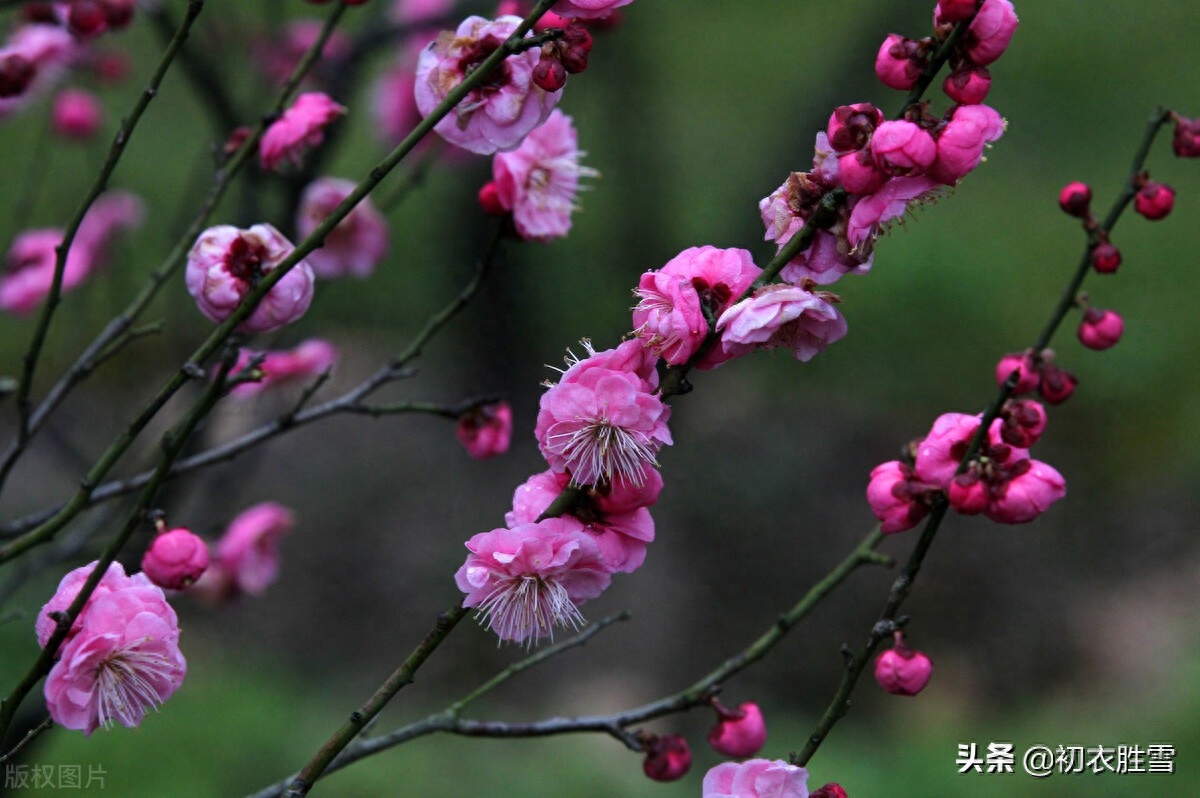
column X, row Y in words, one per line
column 1154, row 200
column 667, row 758
column 968, row 85
column 1057, row 384
column 830, row 790
column 739, row 732
column 900, row 61
column 1186, row 141
column 489, row 200
column 86, row 18
column 1100, row 329
column 1105, row 258
column 1024, row 422
column 850, row 126
column 176, row 558
column 550, row 74
column 1075, row 199
column 1018, row 361
column 902, row 671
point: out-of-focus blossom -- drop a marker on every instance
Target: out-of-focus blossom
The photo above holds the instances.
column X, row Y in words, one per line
column 299, row 129
column 485, row 431
column 358, row 242
column 756, row 778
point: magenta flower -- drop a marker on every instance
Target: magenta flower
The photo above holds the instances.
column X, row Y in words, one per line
column 122, row 657
column 1028, row 492
column 739, row 732
column 248, row 552
column 956, row 10
column 897, row 497
column 872, row 214
column 175, row 559
column 668, row 757
column 779, row 315
column 301, row 128
column 77, row 114
column 756, row 778
column 902, row 148
column 859, row 174
column 538, row 180
column 358, row 242
column 308, row 360
column 224, row 265
column 902, row 671
column 1154, row 200
column 968, row 85
column 1024, row 421
column 114, row 579
column 989, row 33
column 1185, row 141
column 1100, row 329
column 1023, row 362
column 939, row 455
column 670, row 318
column 496, row 115
column 900, row 61
column 961, row 143
column 601, row 422
column 530, row 579
column 485, row 431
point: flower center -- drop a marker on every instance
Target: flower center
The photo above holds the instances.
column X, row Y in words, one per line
column 527, row 607
column 125, row 685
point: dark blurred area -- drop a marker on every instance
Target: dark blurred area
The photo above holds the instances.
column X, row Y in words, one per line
column 691, row 113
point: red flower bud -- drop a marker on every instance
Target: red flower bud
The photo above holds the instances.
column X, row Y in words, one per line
column 1105, row 258
column 1075, row 199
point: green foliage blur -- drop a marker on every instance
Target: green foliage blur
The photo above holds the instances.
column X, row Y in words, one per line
column 1076, row 630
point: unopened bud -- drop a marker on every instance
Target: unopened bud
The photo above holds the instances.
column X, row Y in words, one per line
column 1075, row 199
column 667, row 758
column 1105, row 258
column 902, row 671
column 550, row 74
column 1154, row 200
column 1100, row 329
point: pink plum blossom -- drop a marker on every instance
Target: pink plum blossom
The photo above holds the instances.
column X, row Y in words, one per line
column 784, row 213
column 1105, row 258
column 77, row 114
column 899, row 62
column 175, row 559
column 779, row 315
column 897, row 497
column 830, row 790
column 902, row 148
column 960, row 144
column 587, row 9
column 989, row 33
column 968, row 85
column 1075, row 199
column 668, row 757
column 670, row 316
column 1154, row 200
column 527, row 580
column 850, row 126
column 358, row 242
column 616, row 516
column 1024, row 420
column 32, row 60
column 485, row 430
column 68, row 589
column 1100, row 329
column 859, row 173
column 496, row 115
column 902, row 671
column 871, row 214
column 1027, row 493
column 942, row 450
column 602, row 422
column 739, row 732
column 756, row 778
column 299, row 129
column 226, row 263
column 29, row 264
column 538, row 180
column 307, row 360
column 247, row 555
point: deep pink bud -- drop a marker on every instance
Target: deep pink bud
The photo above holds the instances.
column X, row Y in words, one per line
column 850, row 126
column 118, row 13
column 900, row 61
column 1154, row 200
column 902, row 671
column 830, row 790
column 858, row 173
column 903, row 148
column 1075, row 199
column 968, row 85
column 489, row 200
column 86, row 18
column 667, row 758
column 1186, row 141
column 968, row 494
column 1105, row 258
column 485, row 431
column 574, row 48
column 77, row 114
column 1030, row 490
column 740, row 732
column 548, row 20
column 175, row 559
column 1024, row 422
column 990, row 32
column 549, row 74
column 16, row 73
column 896, row 497
column 1100, row 329
column 956, row 10
column 1057, row 384
column 1027, row 381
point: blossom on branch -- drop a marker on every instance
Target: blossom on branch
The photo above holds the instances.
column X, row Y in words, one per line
column 779, row 315
column 301, row 128
column 356, row 244
column 756, row 778
column 308, row 360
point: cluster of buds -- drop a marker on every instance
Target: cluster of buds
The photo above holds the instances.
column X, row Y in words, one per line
column 1037, row 372
column 560, row 57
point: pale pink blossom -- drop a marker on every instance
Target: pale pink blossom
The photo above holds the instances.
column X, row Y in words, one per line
column 668, row 757
column 616, row 516
column 901, row 148
column 33, row 59
column 68, row 589
column 175, row 559
column 308, row 360
column 530, row 579
column 960, row 144
column 1100, row 329
column 989, row 33
column 756, row 778
column 587, row 9
column 29, row 264
column 898, row 498
column 496, row 115
column 779, row 315
column 784, row 213
column 485, row 430
column 123, row 661
column 538, row 180
column 77, row 114
column 872, row 214
column 669, row 316
column 248, row 552
column 739, row 732
column 902, row 671
column 299, row 129
column 601, row 422
column 358, row 242
column 226, row 263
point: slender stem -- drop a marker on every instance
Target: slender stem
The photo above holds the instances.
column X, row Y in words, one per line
column 46, row 723
column 128, row 125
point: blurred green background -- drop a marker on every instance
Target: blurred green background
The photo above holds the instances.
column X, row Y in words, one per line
column 1077, row 629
